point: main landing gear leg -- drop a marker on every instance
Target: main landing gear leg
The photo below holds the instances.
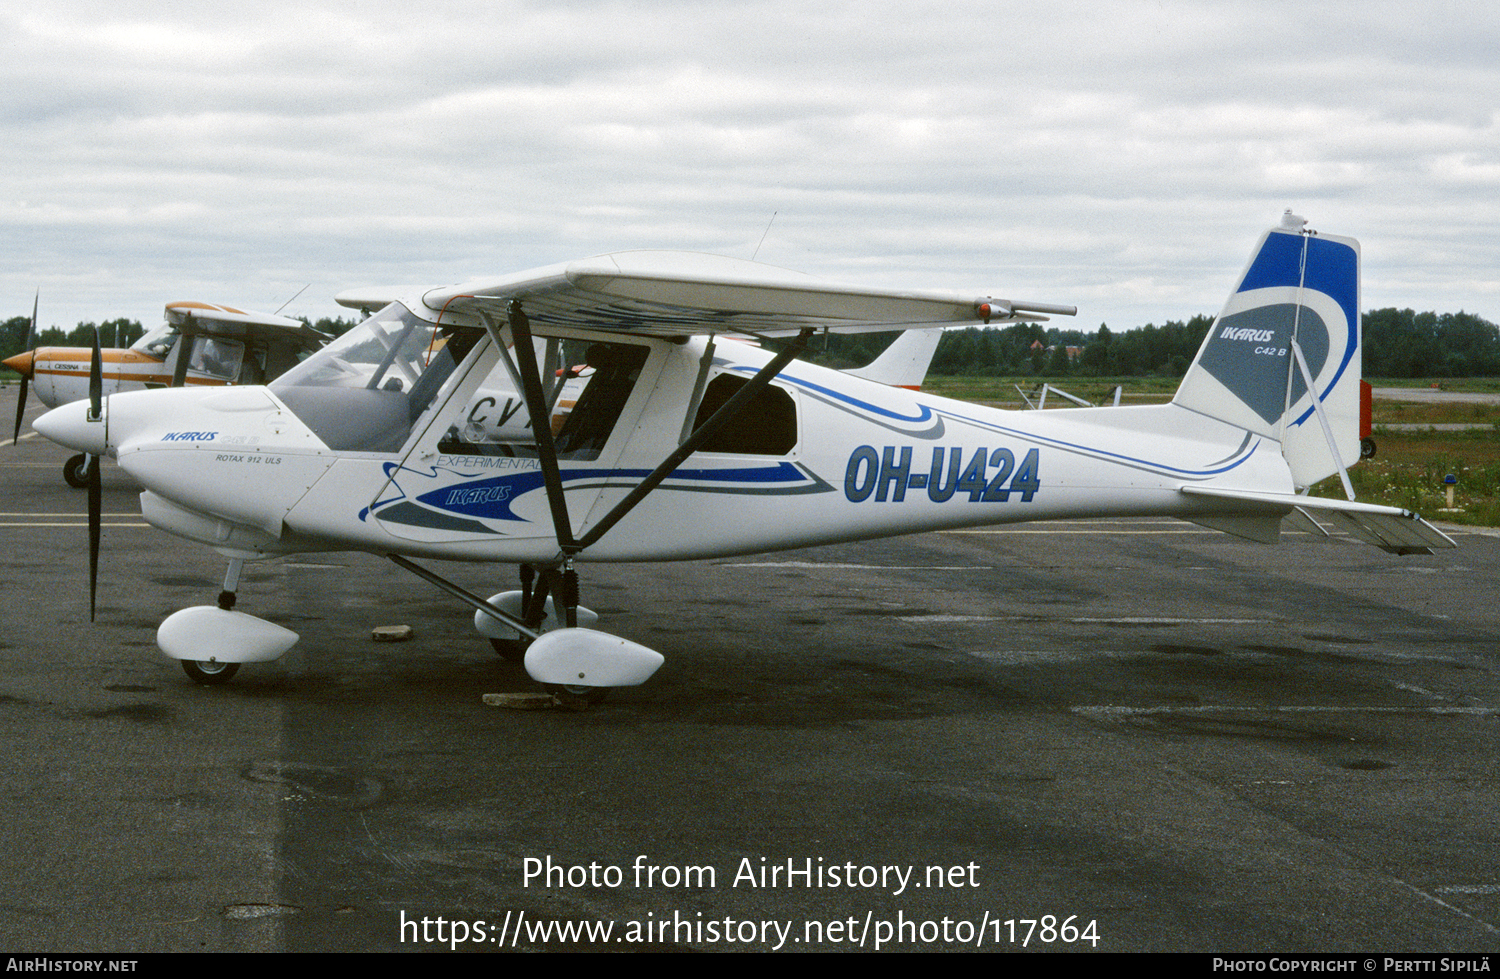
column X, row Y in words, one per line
column 573, row 696
column 561, row 586
column 532, row 611
column 212, row 672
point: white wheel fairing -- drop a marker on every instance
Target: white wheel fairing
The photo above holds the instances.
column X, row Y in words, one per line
column 510, row 601
column 206, row 633
column 585, row 658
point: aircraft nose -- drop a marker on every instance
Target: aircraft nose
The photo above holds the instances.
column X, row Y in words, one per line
column 21, row 363
column 69, row 425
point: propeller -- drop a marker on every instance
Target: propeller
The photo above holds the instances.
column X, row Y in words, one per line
column 96, row 412
column 26, row 378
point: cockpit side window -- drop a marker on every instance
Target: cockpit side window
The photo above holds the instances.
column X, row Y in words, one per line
column 158, row 342
column 216, row 357
column 586, row 389
column 616, row 367
column 766, row 426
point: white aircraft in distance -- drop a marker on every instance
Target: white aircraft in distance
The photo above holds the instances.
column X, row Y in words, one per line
column 685, row 447
column 224, row 346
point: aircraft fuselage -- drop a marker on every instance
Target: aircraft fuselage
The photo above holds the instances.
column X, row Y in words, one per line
column 851, row 460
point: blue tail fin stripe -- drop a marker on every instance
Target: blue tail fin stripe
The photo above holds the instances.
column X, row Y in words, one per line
column 1332, row 269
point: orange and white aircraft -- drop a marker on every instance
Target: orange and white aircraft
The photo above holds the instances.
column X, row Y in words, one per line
column 196, row 344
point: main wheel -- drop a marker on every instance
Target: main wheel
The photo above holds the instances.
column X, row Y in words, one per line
column 209, row 673
column 576, row 696
column 511, row 650
column 75, row 471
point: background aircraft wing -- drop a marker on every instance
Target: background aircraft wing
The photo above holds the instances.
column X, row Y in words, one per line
column 665, row 293
column 228, row 321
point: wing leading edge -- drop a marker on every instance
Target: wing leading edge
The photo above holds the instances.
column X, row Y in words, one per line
column 662, row 293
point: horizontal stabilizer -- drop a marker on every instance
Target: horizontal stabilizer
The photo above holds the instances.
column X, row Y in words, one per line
column 1263, row 529
column 1388, row 528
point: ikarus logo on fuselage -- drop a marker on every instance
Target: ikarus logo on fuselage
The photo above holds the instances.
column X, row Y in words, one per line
column 450, row 499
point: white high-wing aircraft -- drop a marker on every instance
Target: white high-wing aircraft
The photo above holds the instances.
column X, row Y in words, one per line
column 682, row 446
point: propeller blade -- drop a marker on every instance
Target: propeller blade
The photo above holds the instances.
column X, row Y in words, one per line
column 20, row 409
column 95, row 493
column 96, row 408
column 96, row 380
column 26, row 378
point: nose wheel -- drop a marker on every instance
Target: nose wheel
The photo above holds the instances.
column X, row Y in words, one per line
column 211, row 672
column 76, row 470
column 211, row 641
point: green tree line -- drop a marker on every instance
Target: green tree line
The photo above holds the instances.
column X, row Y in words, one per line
column 1397, row 343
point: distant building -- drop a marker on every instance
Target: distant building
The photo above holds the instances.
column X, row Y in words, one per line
column 1072, row 352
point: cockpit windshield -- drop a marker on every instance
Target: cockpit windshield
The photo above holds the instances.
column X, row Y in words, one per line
column 388, row 351
column 362, row 392
column 158, row 342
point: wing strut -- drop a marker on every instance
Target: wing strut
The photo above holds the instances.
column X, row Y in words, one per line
column 700, row 435
column 536, row 404
column 546, row 446
column 541, row 426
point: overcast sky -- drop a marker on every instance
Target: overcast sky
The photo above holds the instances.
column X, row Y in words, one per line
column 1121, row 156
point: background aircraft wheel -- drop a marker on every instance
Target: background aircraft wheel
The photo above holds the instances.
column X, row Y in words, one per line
column 511, row 650
column 73, row 471
column 1367, row 448
column 576, row 697
column 209, row 673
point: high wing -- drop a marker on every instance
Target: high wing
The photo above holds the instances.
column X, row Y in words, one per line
column 228, row 321
column 675, row 294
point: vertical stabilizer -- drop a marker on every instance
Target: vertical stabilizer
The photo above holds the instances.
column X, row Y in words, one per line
column 1300, row 293
column 905, row 362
